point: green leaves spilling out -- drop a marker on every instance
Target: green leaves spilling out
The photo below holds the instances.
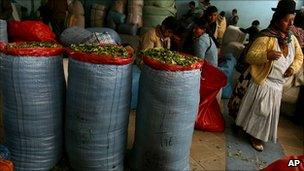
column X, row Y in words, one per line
column 33, row 45
column 112, row 50
column 169, row 57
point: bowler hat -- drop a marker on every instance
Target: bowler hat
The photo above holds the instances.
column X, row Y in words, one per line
column 286, row 7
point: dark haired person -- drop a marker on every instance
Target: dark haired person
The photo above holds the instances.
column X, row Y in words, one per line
column 160, row 35
column 5, row 10
column 233, row 20
column 204, row 4
column 55, row 11
column 191, row 11
column 211, row 16
column 204, row 46
column 273, row 56
column 298, row 27
column 186, row 22
column 253, row 30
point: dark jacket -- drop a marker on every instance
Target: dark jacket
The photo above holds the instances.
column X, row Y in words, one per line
column 252, row 31
column 5, row 9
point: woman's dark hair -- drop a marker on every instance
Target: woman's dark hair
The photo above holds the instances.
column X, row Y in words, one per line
column 170, row 23
column 255, row 22
column 192, row 3
column 210, row 10
column 299, row 20
column 277, row 17
column 201, row 23
column 234, row 10
column 284, row 8
column 222, row 13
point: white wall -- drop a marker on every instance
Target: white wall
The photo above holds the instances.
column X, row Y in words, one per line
column 248, row 10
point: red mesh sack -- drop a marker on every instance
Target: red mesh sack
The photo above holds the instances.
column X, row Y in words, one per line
column 156, row 64
column 6, row 165
column 33, row 52
column 288, row 163
column 29, row 31
column 99, row 59
column 2, row 46
column 209, row 116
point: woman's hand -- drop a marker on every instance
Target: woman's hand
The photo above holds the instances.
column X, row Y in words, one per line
column 274, row 55
column 288, row 72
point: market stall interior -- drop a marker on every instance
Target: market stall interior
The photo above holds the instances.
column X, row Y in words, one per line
column 151, row 85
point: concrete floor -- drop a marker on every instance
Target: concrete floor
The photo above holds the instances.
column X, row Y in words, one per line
column 208, row 150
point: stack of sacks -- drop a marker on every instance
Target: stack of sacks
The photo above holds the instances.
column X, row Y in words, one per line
column 76, row 15
column 135, row 12
column 98, row 14
column 134, row 20
column 155, row 11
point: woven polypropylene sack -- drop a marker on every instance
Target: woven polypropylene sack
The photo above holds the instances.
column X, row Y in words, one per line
column 3, row 31
column 76, row 8
column 112, row 32
column 153, row 20
column 160, row 3
column 233, row 34
column 168, row 104
column 135, row 19
column 98, row 104
column 97, row 17
column 135, row 12
column 33, row 96
column 75, row 35
column 1, row 100
column 163, row 11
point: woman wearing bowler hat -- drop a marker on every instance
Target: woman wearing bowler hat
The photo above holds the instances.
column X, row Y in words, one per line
column 273, row 56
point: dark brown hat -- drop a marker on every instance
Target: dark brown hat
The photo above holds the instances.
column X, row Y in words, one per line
column 286, row 7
